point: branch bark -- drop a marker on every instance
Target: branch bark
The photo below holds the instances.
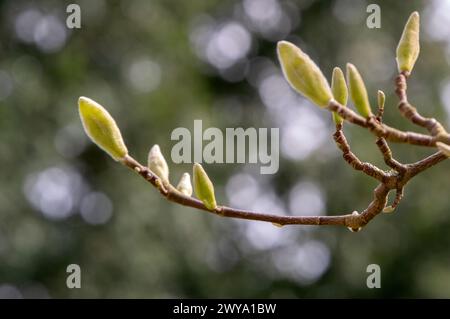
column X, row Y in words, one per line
column 170, row 193
column 410, row 112
column 386, row 131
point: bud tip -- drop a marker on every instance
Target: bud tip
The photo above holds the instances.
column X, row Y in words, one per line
column 157, row 163
column 203, row 187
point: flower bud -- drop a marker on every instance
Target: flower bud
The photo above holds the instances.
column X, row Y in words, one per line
column 358, row 91
column 388, row 209
column 409, row 46
column 381, row 99
column 303, row 74
column 204, row 189
column 157, row 163
column 184, row 186
column 340, row 91
column 101, row 128
column 444, row 148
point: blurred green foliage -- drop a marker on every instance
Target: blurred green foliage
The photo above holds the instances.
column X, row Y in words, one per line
column 139, row 59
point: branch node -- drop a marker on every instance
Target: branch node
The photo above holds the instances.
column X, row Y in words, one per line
column 354, row 222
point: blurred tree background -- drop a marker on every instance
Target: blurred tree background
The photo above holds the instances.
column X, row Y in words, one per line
column 158, row 65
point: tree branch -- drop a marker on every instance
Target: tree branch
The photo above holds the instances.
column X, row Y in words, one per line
column 353, row 221
column 388, row 180
column 173, row 195
column 387, row 156
column 426, row 163
column 385, row 131
column 368, row 168
column 410, row 112
column 102, row 129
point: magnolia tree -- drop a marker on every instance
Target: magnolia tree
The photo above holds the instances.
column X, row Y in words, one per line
column 307, row 79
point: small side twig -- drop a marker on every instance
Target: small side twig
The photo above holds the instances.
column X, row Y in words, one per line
column 368, row 168
column 424, row 164
column 410, row 112
column 387, row 156
column 386, row 131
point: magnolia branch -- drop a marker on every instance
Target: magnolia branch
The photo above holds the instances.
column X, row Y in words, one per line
column 353, row 221
column 174, row 195
column 396, row 179
column 305, row 77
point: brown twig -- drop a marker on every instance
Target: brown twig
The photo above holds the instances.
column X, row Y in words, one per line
column 368, row 168
column 387, row 156
column 386, row 131
column 424, row 164
column 173, row 195
column 410, row 112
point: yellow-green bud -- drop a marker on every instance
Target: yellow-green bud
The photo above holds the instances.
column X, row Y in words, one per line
column 303, row 74
column 101, row 128
column 358, row 91
column 409, row 46
column 184, row 186
column 381, row 99
column 444, row 148
column 340, row 91
column 157, row 163
column 203, row 187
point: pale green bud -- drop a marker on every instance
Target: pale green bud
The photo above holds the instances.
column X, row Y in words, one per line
column 381, row 99
column 444, row 148
column 184, row 186
column 409, row 46
column 388, row 209
column 340, row 91
column 303, row 74
column 203, row 187
column 157, row 163
column 358, row 91
column 101, row 128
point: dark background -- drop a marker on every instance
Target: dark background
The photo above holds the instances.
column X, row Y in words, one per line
column 158, row 65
